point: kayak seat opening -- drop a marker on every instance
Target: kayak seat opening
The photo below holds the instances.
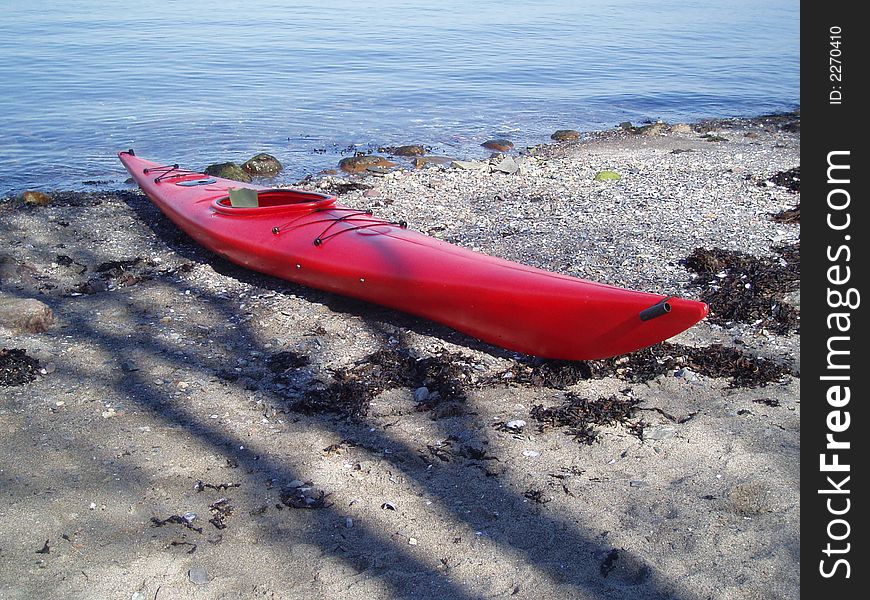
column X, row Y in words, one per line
column 251, row 201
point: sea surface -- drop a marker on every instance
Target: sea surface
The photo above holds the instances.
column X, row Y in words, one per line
column 310, row 82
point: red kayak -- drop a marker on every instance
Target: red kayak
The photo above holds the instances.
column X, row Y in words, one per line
column 309, row 238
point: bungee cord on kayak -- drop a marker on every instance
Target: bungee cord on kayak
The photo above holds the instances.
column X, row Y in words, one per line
column 353, row 216
column 168, row 172
column 321, row 238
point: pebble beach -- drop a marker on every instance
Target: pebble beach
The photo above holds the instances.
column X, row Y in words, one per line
column 174, row 426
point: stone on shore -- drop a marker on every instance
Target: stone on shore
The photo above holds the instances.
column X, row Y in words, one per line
column 13, row 271
column 565, row 135
column 25, row 315
column 498, row 145
column 228, row 170
column 470, row 165
column 263, row 165
column 360, row 164
column 505, row 164
column 430, row 161
column 657, row 128
column 36, row 198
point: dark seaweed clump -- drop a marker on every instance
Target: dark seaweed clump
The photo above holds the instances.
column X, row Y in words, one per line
column 16, row 368
column 338, row 188
column 221, row 510
column 351, row 391
column 741, row 288
column 789, row 215
column 790, row 121
column 305, row 497
column 444, row 374
column 558, row 374
column 447, row 377
column 711, row 361
column 343, row 396
column 790, row 180
column 744, row 371
column 581, row 415
column 119, row 273
column 281, row 362
column 647, row 364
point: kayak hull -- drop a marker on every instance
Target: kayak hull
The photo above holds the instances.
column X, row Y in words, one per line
column 310, row 239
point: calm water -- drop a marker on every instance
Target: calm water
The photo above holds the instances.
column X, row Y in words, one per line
column 203, row 82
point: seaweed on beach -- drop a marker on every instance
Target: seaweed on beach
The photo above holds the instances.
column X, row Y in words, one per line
column 580, row 415
column 121, row 273
column 305, row 498
column 715, row 360
column 789, row 215
column 282, row 362
column 344, row 397
column 744, row 370
column 538, row 372
column 645, row 365
column 445, row 376
column 338, row 187
column 537, row 496
column 768, row 402
column 790, row 179
column 220, row 510
column 116, row 268
column 201, row 485
column 746, row 289
column 786, row 121
column 16, row 367
column 185, row 520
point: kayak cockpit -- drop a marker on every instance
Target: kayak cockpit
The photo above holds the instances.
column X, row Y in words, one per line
column 250, row 202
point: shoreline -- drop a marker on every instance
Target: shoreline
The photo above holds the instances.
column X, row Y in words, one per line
column 177, row 384
column 100, row 184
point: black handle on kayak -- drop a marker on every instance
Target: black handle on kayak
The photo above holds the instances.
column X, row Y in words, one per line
column 656, row 310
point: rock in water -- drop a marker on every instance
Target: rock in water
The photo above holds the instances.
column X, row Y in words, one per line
column 498, row 145
column 360, row 164
column 263, row 165
column 228, row 170
column 407, row 150
column 565, row 135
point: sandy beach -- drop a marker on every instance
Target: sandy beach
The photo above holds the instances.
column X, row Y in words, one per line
column 186, row 429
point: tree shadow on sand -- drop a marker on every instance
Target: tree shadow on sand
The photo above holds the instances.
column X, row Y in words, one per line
column 466, row 496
